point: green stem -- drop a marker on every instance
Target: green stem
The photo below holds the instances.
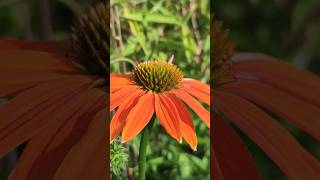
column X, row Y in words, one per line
column 143, row 149
column 117, row 60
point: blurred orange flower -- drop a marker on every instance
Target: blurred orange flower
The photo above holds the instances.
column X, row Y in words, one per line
column 53, row 107
column 57, row 103
column 245, row 92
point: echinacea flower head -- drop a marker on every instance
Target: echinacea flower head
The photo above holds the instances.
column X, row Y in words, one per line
column 253, row 94
column 90, row 40
column 57, row 105
column 157, row 76
column 157, row 88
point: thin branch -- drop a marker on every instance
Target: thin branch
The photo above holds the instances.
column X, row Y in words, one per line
column 45, row 18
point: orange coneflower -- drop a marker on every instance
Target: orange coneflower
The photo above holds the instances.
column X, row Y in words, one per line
column 246, row 90
column 157, row 87
column 57, row 105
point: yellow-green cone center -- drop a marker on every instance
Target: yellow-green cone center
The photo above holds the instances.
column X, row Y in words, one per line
column 157, row 76
column 90, row 40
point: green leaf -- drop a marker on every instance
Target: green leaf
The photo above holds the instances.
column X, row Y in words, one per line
column 151, row 17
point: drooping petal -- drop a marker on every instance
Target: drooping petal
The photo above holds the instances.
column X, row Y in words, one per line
column 205, row 88
column 9, row 90
column 22, row 69
column 296, row 111
column 91, row 148
column 138, row 117
column 270, row 136
column 26, row 114
column 284, row 76
column 194, row 105
column 13, row 77
column 66, row 126
column 168, row 116
column 118, row 81
column 215, row 170
column 186, row 124
column 233, row 157
column 119, row 119
column 114, row 88
column 33, row 60
column 121, row 95
column 197, row 89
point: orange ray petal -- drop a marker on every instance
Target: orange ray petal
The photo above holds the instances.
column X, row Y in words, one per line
column 24, row 68
column 284, row 76
column 300, row 113
column 115, row 88
column 168, row 116
column 195, row 106
column 13, row 89
column 91, row 148
column 233, row 157
column 186, row 124
column 119, row 119
column 138, row 117
column 200, row 86
column 215, row 170
column 63, row 130
column 23, row 116
column 270, row 136
column 198, row 94
column 118, row 81
column 121, row 95
column 12, row 77
column 33, row 60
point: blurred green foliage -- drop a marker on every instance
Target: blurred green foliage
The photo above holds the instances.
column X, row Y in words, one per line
column 159, row 29
column 14, row 16
column 287, row 29
column 144, row 30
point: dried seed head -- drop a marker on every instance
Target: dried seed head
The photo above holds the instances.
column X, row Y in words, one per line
column 157, row 76
column 90, row 40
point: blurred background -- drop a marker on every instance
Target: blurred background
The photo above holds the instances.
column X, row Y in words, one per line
column 286, row 29
column 38, row 19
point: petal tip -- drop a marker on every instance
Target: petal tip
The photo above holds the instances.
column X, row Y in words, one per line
column 124, row 141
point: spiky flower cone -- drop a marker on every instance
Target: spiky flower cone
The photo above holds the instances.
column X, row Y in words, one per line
column 157, row 76
column 90, row 40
